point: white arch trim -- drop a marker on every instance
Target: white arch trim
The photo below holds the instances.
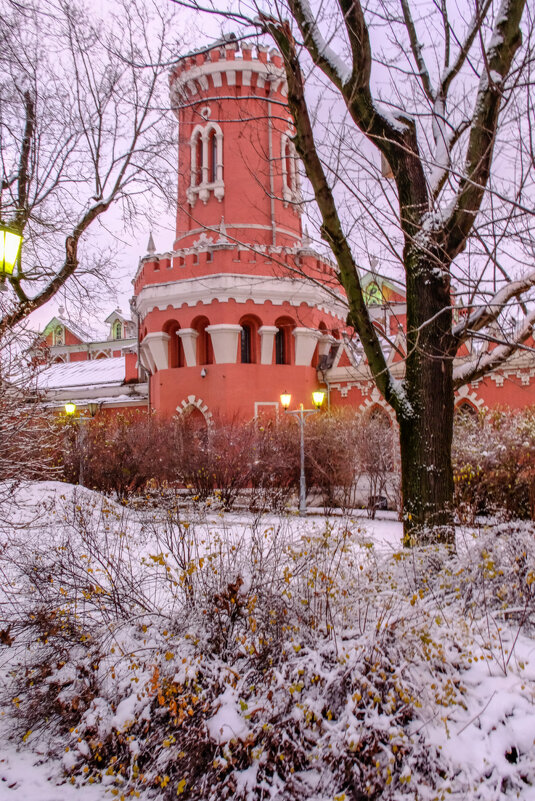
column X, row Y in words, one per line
column 191, row 402
column 200, row 137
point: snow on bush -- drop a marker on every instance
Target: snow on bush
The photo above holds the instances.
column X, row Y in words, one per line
column 494, row 463
column 167, row 654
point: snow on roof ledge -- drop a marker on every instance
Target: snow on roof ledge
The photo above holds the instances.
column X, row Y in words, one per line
column 96, row 372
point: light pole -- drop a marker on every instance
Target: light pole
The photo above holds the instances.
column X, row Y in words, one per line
column 70, row 409
column 9, row 249
column 301, row 414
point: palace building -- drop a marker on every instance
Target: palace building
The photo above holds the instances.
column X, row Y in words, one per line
column 241, row 308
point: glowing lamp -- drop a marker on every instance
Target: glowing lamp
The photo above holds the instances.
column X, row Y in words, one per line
column 285, row 400
column 318, row 397
column 9, row 248
column 70, row 408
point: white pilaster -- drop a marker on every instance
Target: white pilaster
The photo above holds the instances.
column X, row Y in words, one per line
column 267, row 337
column 324, row 345
column 305, row 345
column 188, row 337
column 225, row 342
column 157, row 345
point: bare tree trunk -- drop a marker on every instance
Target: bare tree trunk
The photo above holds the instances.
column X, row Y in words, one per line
column 426, row 427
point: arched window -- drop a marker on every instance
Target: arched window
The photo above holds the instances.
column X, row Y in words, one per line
column 290, row 188
column 280, row 347
column 206, row 145
column 466, row 408
column 379, row 434
column 117, row 330
column 196, row 160
column 212, row 157
column 175, row 348
column 58, row 336
column 246, row 344
column 249, row 344
column 380, row 417
column 283, row 340
column 205, row 352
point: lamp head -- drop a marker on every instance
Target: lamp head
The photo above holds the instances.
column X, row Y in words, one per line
column 318, row 398
column 70, row 408
column 285, row 400
column 9, row 248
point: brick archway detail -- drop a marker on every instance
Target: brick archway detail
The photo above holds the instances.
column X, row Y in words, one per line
column 191, row 402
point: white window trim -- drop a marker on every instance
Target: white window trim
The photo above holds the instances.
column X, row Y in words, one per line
column 200, row 136
column 290, row 183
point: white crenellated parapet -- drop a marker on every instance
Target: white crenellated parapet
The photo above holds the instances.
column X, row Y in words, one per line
column 189, row 337
column 267, row 339
column 225, row 342
column 305, row 345
column 156, row 347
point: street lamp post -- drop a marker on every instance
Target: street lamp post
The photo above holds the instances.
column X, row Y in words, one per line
column 70, row 408
column 301, row 414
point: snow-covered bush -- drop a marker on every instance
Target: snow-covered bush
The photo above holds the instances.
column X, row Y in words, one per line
column 494, row 464
column 191, row 655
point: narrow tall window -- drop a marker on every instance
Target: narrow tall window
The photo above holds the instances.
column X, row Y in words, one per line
column 205, row 353
column 118, row 330
column 289, row 168
column 212, row 155
column 197, row 144
column 280, row 347
column 246, row 344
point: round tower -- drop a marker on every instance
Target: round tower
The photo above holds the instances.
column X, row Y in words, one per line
column 229, row 318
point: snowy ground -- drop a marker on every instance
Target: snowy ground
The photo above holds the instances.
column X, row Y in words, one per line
column 465, row 648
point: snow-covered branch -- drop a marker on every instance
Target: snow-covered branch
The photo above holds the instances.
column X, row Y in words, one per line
column 489, row 312
column 486, row 362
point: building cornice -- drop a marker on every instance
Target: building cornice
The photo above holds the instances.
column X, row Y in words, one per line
column 240, row 288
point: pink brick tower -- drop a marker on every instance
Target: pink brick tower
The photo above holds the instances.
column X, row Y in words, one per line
column 228, row 319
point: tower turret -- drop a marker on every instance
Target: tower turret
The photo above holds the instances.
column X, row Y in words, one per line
column 237, row 161
column 228, row 319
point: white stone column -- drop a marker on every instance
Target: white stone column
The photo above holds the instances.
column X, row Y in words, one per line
column 189, row 337
column 146, row 358
column 225, row 342
column 267, row 338
column 325, row 342
column 305, row 345
column 157, row 344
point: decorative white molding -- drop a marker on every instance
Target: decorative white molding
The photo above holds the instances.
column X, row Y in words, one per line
column 157, row 344
column 240, row 288
column 290, row 176
column 259, row 404
column 325, row 341
column 463, row 393
column 214, row 69
column 146, row 358
column 189, row 337
column 376, row 399
column 305, row 345
column 225, row 342
column 191, row 402
column 267, row 339
column 200, row 138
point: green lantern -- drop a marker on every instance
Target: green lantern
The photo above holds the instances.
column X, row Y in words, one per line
column 373, row 295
